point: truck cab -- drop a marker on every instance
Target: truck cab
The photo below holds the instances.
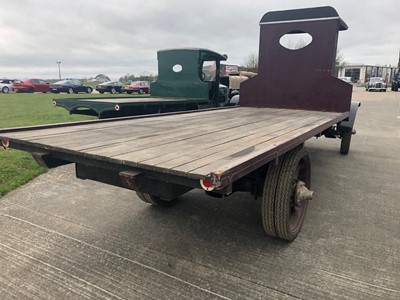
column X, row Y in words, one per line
column 192, row 73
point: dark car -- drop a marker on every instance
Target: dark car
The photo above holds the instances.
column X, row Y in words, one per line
column 31, row 86
column 375, row 84
column 141, row 87
column 396, row 83
column 70, row 87
column 112, row 87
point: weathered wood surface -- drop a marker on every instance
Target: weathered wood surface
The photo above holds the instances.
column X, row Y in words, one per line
column 139, row 100
column 187, row 144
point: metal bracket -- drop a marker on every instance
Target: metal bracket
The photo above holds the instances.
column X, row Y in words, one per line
column 129, row 178
column 46, row 160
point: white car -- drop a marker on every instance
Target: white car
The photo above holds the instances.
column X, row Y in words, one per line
column 6, row 85
column 346, row 79
column 375, row 84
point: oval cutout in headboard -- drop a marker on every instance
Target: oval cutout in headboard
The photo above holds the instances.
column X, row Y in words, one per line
column 295, row 40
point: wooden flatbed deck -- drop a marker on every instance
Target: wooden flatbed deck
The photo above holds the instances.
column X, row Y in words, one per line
column 231, row 142
column 127, row 106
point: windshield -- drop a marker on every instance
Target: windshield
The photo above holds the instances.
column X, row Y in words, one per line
column 209, row 71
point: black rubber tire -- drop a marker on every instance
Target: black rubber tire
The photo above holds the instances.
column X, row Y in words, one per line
column 88, row 90
column 268, row 198
column 141, row 92
column 281, row 218
column 70, row 91
column 345, row 143
column 6, row 90
column 156, row 201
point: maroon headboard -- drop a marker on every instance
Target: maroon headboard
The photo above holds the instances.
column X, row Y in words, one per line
column 298, row 79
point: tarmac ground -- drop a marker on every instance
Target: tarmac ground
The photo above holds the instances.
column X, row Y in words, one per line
column 65, row 238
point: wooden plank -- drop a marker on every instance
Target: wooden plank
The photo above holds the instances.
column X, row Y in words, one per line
column 134, row 100
column 276, row 145
column 236, row 149
column 107, row 137
column 197, row 146
column 56, row 129
column 163, row 145
column 189, row 150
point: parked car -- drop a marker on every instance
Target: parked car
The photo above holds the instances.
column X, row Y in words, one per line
column 396, row 82
column 31, row 85
column 141, row 87
column 110, row 86
column 70, row 87
column 375, row 84
column 346, row 79
column 6, row 85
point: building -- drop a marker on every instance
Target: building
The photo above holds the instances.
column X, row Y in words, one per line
column 361, row 72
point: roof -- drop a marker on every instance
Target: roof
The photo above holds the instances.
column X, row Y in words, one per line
column 206, row 54
column 302, row 15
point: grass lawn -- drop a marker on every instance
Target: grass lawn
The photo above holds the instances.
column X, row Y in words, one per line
column 16, row 167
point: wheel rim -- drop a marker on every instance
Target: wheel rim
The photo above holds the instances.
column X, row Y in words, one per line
column 89, row 90
column 113, row 91
column 6, row 90
column 70, row 91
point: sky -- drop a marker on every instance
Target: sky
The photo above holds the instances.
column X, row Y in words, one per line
column 121, row 37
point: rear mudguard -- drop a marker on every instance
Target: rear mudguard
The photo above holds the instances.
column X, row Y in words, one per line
column 348, row 124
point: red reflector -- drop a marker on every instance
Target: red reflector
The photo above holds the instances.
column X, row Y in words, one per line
column 206, row 184
column 117, row 107
column 5, row 143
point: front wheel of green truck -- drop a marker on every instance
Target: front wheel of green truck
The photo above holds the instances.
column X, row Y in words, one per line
column 154, row 200
column 286, row 194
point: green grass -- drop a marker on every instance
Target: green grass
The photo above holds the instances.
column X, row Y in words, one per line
column 16, row 167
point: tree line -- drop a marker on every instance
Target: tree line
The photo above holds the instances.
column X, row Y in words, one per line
column 143, row 77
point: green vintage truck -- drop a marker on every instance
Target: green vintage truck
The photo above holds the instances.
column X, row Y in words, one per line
column 188, row 79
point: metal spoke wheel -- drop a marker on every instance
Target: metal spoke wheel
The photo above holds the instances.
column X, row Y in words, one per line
column 156, row 201
column 286, row 194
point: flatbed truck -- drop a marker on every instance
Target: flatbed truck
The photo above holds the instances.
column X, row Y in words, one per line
column 257, row 147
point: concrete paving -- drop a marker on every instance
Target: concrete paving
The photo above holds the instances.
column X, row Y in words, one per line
column 64, row 238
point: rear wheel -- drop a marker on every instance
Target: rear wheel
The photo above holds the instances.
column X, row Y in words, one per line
column 286, row 194
column 70, row 91
column 88, row 90
column 141, row 92
column 156, row 201
column 113, row 91
column 5, row 90
column 345, row 143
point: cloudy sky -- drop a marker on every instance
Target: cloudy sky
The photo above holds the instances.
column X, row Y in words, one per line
column 122, row 36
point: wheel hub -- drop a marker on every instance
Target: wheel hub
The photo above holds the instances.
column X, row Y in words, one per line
column 302, row 193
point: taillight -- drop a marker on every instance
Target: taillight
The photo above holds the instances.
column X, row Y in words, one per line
column 206, row 184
